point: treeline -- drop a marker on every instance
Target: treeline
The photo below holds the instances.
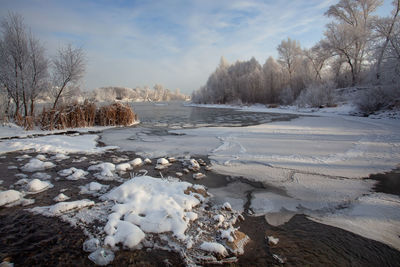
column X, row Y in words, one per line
column 138, row 94
column 358, row 48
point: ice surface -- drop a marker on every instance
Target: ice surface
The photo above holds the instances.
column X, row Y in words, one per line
column 9, row 196
column 102, row 256
column 41, row 176
column 375, row 216
column 235, row 193
column 59, row 157
column 37, row 165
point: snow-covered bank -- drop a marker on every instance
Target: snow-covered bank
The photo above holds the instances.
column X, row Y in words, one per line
column 11, row 130
column 318, row 160
column 61, row 144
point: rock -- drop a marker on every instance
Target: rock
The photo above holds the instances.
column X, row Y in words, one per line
column 172, row 159
column 198, row 176
column 194, row 165
column 279, row 259
column 207, row 168
column 185, row 171
column 201, row 162
column 147, row 161
column 137, row 162
column 179, row 174
column 272, row 241
column 240, row 241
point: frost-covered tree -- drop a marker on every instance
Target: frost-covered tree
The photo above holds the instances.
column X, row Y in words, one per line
column 350, row 36
column 68, row 70
column 290, row 56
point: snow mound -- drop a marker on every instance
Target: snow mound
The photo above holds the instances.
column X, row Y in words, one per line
column 137, row 162
column 37, row 186
column 61, row 197
column 106, row 171
column 37, row 165
column 93, row 188
column 59, row 157
column 155, row 205
column 41, row 176
column 73, row 174
column 125, row 233
column 9, row 196
column 123, row 167
column 214, row 247
column 62, row 207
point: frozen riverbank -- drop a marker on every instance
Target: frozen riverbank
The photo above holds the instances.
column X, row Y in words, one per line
column 319, row 161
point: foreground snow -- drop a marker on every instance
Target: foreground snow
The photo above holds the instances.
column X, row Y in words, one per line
column 153, row 213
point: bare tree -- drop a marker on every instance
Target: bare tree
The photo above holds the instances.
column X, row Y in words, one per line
column 69, row 68
column 317, row 56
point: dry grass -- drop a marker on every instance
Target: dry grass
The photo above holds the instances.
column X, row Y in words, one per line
column 115, row 114
column 86, row 115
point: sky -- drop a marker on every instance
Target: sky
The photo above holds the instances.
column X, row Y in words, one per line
column 176, row 43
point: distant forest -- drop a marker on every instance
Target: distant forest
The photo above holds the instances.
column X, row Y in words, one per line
column 358, row 49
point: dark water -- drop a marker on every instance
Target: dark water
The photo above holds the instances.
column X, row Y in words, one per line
column 387, row 182
column 177, row 115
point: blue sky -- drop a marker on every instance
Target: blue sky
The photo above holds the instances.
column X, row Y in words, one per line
column 176, row 43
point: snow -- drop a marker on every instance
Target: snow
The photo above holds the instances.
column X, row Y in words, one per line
column 214, row 247
column 36, row 186
column 162, row 161
column 102, row 256
column 125, row 233
column 55, row 144
column 155, row 205
column 235, row 193
column 123, row 167
column 93, row 188
column 37, row 165
column 106, row 171
column 62, row 207
column 137, row 162
column 61, row 197
column 9, row 196
column 10, row 130
column 273, row 240
column 73, row 174
column 59, row 157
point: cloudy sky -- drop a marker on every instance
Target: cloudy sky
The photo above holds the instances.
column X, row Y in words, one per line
column 176, row 43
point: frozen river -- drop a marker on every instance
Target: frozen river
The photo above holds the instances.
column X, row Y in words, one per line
column 312, row 165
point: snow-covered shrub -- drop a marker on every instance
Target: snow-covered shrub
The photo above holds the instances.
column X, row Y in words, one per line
column 286, row 96
column 316, row 95
column 377, row 98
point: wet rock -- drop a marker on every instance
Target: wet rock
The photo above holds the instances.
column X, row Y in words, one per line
column 179, row 174
column 194, row 165
column 207, row 168
column 171, row 159
column 185, row 171
column 272, row 241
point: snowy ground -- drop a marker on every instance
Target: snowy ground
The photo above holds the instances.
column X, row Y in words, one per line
column 318, row 160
